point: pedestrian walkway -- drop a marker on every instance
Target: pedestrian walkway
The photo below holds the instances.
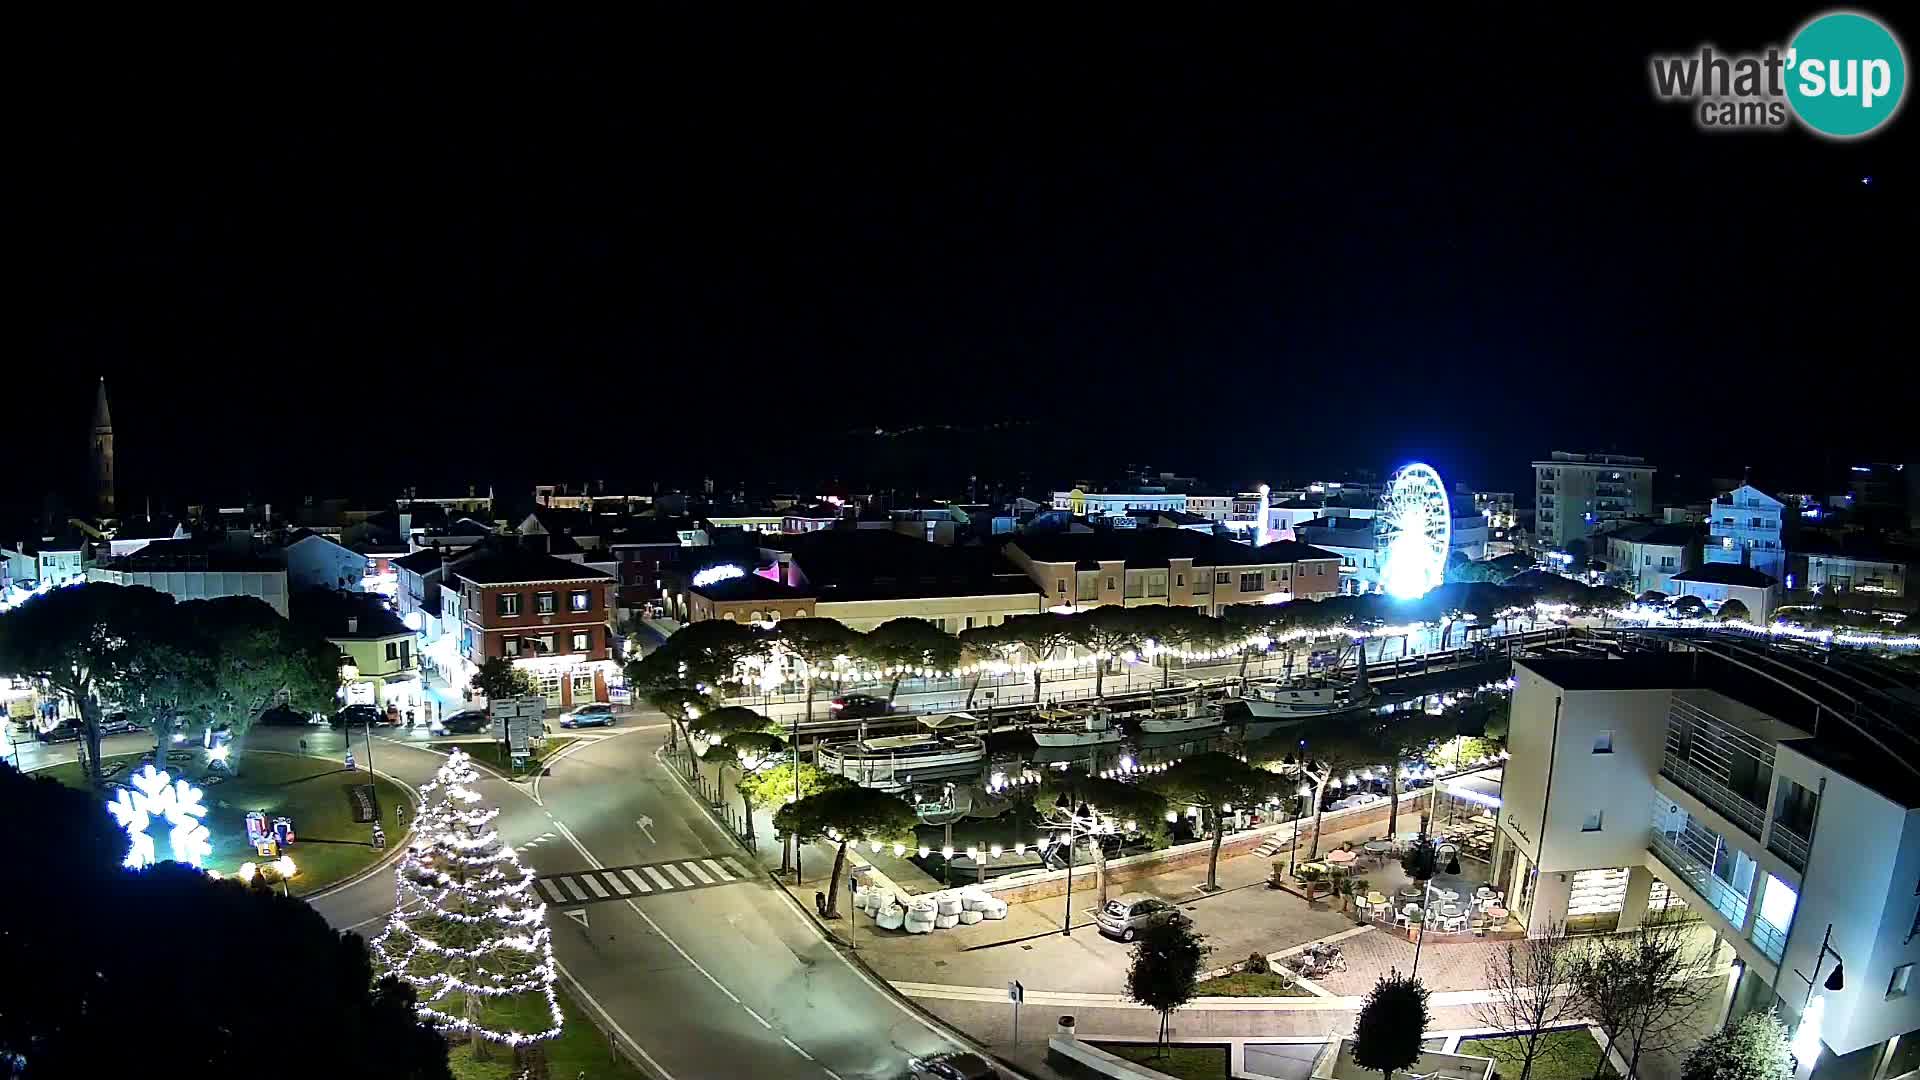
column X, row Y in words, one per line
column 644, row 879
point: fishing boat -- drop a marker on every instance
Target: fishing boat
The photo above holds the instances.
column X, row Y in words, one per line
column 892, row 761
column 1198, row 716
column 1068, row 728
column 1300, row 699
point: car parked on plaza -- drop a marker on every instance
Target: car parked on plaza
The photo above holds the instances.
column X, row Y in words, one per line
column 1129, row 913
column 599, row 714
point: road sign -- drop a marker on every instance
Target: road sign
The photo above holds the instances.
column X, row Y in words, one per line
column 517, row 720
column 1016, row 993
column 578, row 915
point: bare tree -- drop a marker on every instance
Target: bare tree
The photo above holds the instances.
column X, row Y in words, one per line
column 1643, row 986
column 1531, row 983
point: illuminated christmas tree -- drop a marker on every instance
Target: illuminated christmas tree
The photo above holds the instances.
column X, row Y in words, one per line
column 468, row 931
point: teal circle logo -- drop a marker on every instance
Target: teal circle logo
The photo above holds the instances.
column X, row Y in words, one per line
column 1845, row 74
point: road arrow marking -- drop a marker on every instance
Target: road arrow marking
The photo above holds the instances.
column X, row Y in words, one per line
column 578, row 915
column 646, row 826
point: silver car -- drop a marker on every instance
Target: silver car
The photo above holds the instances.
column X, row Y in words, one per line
column 1128, row 914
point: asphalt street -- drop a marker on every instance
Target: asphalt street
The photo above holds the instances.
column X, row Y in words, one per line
column 704, row 977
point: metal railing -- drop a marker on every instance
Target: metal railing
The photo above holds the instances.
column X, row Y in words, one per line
column 1730, row 804
column 1789, row 845
column 1770, row 939
column 1700, row 877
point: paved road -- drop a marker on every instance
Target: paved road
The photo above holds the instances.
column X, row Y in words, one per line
column 706, row 977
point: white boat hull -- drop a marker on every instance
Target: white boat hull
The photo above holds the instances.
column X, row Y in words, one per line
column 1075, row 738
column 1175, row 725
column 895, row 770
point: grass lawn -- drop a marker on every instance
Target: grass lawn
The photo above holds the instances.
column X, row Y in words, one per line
column 580, row 1051
column 1243, row 984
column 494, row 757
column 1570, row 1054
column 1186, row 1062
column 329, row 845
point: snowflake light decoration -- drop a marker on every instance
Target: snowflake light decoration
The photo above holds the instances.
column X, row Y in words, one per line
column 158, row 795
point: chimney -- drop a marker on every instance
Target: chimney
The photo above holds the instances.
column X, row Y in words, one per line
column 353, row 624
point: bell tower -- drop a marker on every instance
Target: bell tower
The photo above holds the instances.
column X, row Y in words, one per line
column 103, row 503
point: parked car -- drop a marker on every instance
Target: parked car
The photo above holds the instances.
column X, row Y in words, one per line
column 64, row 731
column 464, row 722
column 956, row 1065
column 599, row 714
column 281, row 716
column 1361, row 798
column 358, row 716
column 1128, row 914
column 857, row 706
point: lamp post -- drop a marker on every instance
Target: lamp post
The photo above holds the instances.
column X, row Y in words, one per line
column 1302, row 768
column 1074, row 824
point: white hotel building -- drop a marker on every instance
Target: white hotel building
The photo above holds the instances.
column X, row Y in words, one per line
column 1773, row 797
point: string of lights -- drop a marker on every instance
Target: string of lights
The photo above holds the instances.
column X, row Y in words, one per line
column 464, row 929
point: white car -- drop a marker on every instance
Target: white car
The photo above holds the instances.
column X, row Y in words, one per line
column 1362, row 798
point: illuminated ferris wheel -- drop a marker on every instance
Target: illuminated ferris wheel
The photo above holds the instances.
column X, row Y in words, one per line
column 1416, row 525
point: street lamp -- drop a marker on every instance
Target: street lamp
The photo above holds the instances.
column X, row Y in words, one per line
column 1425, row 843
column 1305, row 769
column 285, row 868
column 1072, row 824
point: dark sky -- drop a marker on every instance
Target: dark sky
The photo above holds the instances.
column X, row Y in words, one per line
column 357, row 254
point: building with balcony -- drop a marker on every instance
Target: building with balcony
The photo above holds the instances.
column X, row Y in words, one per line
column 1102, row 504
column 1772, row 798
column 1354, row 542
column 1645, row 558
column 1743, row 528
column 1577, row 494
column 1717, row 583
column 190, row 570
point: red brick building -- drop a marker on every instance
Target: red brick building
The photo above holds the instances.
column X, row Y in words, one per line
column 550, row 616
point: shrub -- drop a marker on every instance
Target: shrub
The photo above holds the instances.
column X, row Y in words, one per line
column 1257, row 964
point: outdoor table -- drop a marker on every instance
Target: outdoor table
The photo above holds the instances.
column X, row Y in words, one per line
column 1376, row 899
column 1378, row 847
column 1483, row 892
column 1341, row 857
column 1450, row 910
column 1497, row 914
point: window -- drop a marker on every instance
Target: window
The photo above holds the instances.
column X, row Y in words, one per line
column 582, row 640
column 543, row 603
column 1060, row 585
column 393, row 650
column 1220, row 577
column 1666, row 562
column 1603, row 743
column 1179, row 579
column 969, row 625
column 509, row 603
column 406, row 653
column 546, row 644
column 1897, row 986
column 1649, row 561
column 510, row 647
column 1250, row 581
column 581, row 600
column 1273, row 574
column 1592, row 823
column 1110, row 585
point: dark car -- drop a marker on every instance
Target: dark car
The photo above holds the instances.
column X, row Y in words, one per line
column 858, row 706
column 957, row 1065
column 464, row 722
column 64, row 731
column 358, row 716
column 281, row 716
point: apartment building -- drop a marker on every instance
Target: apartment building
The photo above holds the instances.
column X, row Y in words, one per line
column 548, row 615
column 1746, row 788
column 1578, row 494
column 1102, row 504
column 1744, row 529
column 1170, row 566
column 1645, row 558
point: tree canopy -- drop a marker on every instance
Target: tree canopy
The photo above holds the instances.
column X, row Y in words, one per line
column 1164, row 973
column 499, row 678
column 180, row 1000
column 1214, row 781
column 906, row 643
column 1392, row 1022
column 1754, row 1047
column 848, row 815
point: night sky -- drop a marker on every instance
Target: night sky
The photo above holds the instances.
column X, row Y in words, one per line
column 346, row 256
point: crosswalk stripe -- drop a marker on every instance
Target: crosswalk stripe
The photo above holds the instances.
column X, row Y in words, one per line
column 697, row 872
column 637, row 883
column 619, row 886
column 573, row 888
column 658, row 879
column 678, row 876
column 716, row 868
column 552, row 893
column 735, row 867
column 593, row 882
